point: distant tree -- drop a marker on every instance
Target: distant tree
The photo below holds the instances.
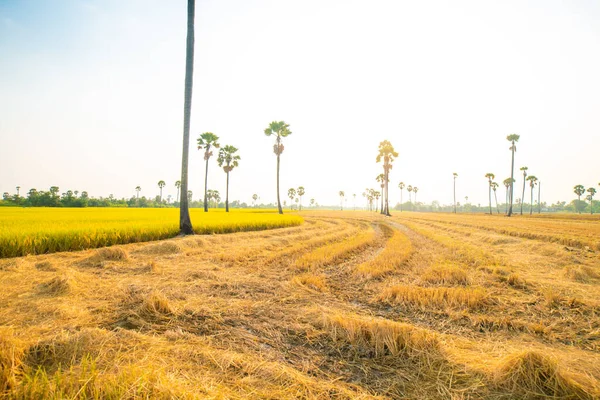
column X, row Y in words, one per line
column 579, row 190
column 138, row 189
column 206, row 141
column 490, row 177
column 161, row 185
column 254, row 198
column 291, row 195
column 377, row 195
column 189, row 196
column 415, row 190
column 455, row 176
column 381, row 179
column 228, row 160
column 342, row 194
column 312, row 202
column 185, row 223
column 592, row 192
column 494, row 187
column 401, row 186
column 524, row 169
column 280, row 129
column 178, row 186
column 18, row 188
column 169, row 199
column 387, row 154
column 300, row 192
column 354, row 196
column 513, row 139
column 409, row 189
column 532, row 180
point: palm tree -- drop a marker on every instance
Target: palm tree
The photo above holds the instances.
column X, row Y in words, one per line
column 494, row 187
column 381, row 179
column 228, row 160
column 409, row 189
column 300, row 192
column 401, row 186
column 532, row 180
column 342, row 194
column 312, row 202
column 377, row 195
column 189, row 196
column 415, row 190
column 178, row 186
column 524, row 169
column 206, row 141
column 579, row 190
column 281, row 129
column 185, row 223
column 161, row 185
column 387, row 155
column 138, row 189
column 512, row 139
column 169, row 199
column 490, row 176
column 254, row 198
column 291, row 195
column 18, row 188
column 506, row 183
column 592, row 192
column 455, row 176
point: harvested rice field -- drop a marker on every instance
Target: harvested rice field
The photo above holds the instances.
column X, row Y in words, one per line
column 347, row 305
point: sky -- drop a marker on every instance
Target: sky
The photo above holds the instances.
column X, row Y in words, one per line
column 91, row 95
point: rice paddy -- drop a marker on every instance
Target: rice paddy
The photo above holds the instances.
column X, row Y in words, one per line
column 346, row 305
column 47, row 230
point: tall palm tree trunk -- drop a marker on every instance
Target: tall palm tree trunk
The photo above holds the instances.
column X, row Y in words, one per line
column 206, row 186
column 512, row 182
column 531, row 205
column 227, row 194
column 523, row 196
column 382, row 197
column 496, row 198
column 454, row 196
column 161, row 194
column 185, row 224
column 278, row 199
column 490, row 196
column 387, row 193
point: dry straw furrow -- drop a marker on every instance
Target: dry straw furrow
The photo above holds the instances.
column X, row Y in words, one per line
column 396, row 251
column 438, row 297
column 336, row 252
column 377, row 337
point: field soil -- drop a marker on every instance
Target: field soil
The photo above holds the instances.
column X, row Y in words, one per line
column 346, row 305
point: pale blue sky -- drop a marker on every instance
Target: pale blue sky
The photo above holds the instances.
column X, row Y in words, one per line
column 91, row 94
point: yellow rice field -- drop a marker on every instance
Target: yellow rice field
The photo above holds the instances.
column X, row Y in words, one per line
column 46, row 230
